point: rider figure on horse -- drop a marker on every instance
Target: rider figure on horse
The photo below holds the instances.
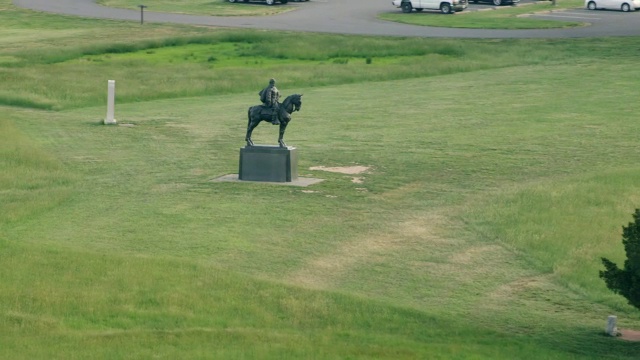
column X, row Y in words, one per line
column 269, row 97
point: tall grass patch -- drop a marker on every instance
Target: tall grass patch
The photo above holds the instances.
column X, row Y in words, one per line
column 566, row 226
column 77, row 304
column 31, row 181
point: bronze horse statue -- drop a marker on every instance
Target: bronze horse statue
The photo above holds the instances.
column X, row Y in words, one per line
column 260, row 113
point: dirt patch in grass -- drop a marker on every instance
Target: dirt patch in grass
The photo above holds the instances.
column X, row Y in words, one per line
column 630, row 335
column 351, row 170
column 325, row 270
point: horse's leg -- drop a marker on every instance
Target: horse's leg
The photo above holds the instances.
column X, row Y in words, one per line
column 249, row 131
column 250, row 127
column 283, row 127
column 247, row 137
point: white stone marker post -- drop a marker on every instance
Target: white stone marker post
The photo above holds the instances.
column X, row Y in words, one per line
column 111, row 98
column 612, row 330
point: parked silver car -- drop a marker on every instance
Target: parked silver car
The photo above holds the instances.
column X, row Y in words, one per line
column 622, row 5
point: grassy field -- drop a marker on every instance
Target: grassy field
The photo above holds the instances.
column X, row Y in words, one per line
column 203, row 7
column 492, row 193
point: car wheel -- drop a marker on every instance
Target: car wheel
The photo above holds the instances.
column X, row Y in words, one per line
column 445, row 8
column 625, row 7
column 406, row 7
column 497, row 2
column 419, row 9
column 284, row 1
column 270, row 2
column 591, row 5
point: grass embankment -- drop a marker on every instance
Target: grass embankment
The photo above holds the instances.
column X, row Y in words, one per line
column 40, row 75
column 204, row 7
column 477, row 233
column 505, row 17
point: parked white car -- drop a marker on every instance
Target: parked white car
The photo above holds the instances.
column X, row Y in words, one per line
column 623, row 5
column 445, row 6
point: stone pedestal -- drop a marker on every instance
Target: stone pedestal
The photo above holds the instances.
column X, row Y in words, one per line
column 611, row 329
column 111, row 99
column 268, row 163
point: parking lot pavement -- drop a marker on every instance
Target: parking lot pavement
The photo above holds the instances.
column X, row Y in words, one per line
column 585, row 15
column 567, row 15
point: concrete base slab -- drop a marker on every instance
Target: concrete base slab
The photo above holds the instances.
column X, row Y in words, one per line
column 300, row 181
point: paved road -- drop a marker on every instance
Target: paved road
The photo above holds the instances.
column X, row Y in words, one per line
column 340, row 16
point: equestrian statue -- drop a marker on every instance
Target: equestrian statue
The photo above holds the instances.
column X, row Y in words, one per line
column 273, row 111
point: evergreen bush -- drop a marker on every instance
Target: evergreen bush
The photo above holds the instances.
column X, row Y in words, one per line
column 626, row 281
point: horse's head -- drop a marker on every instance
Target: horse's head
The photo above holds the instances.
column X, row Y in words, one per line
column 295, row 101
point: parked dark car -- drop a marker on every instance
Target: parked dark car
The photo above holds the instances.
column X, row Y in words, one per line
column 269, row 2
column 497, row 2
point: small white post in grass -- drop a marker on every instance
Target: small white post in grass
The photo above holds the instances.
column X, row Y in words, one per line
column 111, row 98
column 612, row 330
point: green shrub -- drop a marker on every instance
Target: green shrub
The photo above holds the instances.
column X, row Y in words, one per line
column 626, row 281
